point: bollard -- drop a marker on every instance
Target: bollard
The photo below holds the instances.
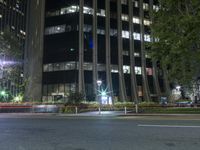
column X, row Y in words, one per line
column 99, row 111
column 136, row 108
column 76, row 110
column 125, row 111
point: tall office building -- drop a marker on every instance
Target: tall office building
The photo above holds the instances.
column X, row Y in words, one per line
column 72, row 44
column 12, row 17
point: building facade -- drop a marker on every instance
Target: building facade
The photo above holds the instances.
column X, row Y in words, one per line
column 75, row 43
column 12, row 18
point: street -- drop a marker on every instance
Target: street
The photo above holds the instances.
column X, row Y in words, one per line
column 51, row 132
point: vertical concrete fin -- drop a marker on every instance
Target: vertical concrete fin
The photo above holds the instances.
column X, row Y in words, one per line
column 108, row 51
column 95, row 69
column 34, row 50
column 81, row 83
column 134, row 90
column 122, row 89
column 146, row 91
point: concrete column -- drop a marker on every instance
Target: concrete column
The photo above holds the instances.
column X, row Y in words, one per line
column 146, row 91
column 33, row 62
column 134, row 90
column 81, row 83
column 108, row 52
column 95, row 69
column 122, row 89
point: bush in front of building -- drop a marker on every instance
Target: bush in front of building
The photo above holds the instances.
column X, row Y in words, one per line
column 75, row 98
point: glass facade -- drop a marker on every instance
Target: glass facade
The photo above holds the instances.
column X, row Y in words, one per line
column 12, row 18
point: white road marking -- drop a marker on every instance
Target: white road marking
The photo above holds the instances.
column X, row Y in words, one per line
column 167, row 126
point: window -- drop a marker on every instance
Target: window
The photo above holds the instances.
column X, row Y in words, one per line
column 147, row 38
column 114, row 69
column 125, row 17
column 137, row 54
column 87, row 66
column 155, row 7
column 136, row 36
column 126, row 69
column 125, row 34
column 67, row 10
column 87, row 10
column 124, row 2
column 147, row 22
column 136, row 20
column 145, row 6
column 136, row 3
column 125, row 53
column 87, row 28
column 55, row 29
column 101, row 31
column 101, row 12
column 149, row 71
column 138, row 70
column 59, row 66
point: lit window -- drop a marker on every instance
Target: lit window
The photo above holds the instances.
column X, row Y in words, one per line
column 124, row 17
column 67, row 10
column 136, row 36
column 1, row 16
column 101, row 31
column 87, row 10
column 138, row 70
column 136, row 20
column 125, row 34
column 114, row 69
column 126, row 69
column 145, row 6
column 55, row 29
column 101, row 12
column 147, row 38
column 87, row 66
column 137, row 54
column 155, row 7
column 136, row 3
column 147, row 22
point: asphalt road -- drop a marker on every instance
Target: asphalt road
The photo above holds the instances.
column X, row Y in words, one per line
column 98, row 133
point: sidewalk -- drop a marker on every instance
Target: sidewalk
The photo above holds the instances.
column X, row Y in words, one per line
column 120, row 114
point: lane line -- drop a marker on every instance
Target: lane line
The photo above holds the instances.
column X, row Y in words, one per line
column 166, row 126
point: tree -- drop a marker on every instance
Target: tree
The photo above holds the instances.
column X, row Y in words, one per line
column 10, row 57
column 176, row 32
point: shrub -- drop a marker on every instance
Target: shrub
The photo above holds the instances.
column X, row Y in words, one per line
column 75, row 97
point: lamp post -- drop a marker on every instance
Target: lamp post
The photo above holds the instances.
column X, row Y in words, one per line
column 99, row 82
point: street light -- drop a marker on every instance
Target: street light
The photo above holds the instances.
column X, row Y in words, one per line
column 99, row 82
